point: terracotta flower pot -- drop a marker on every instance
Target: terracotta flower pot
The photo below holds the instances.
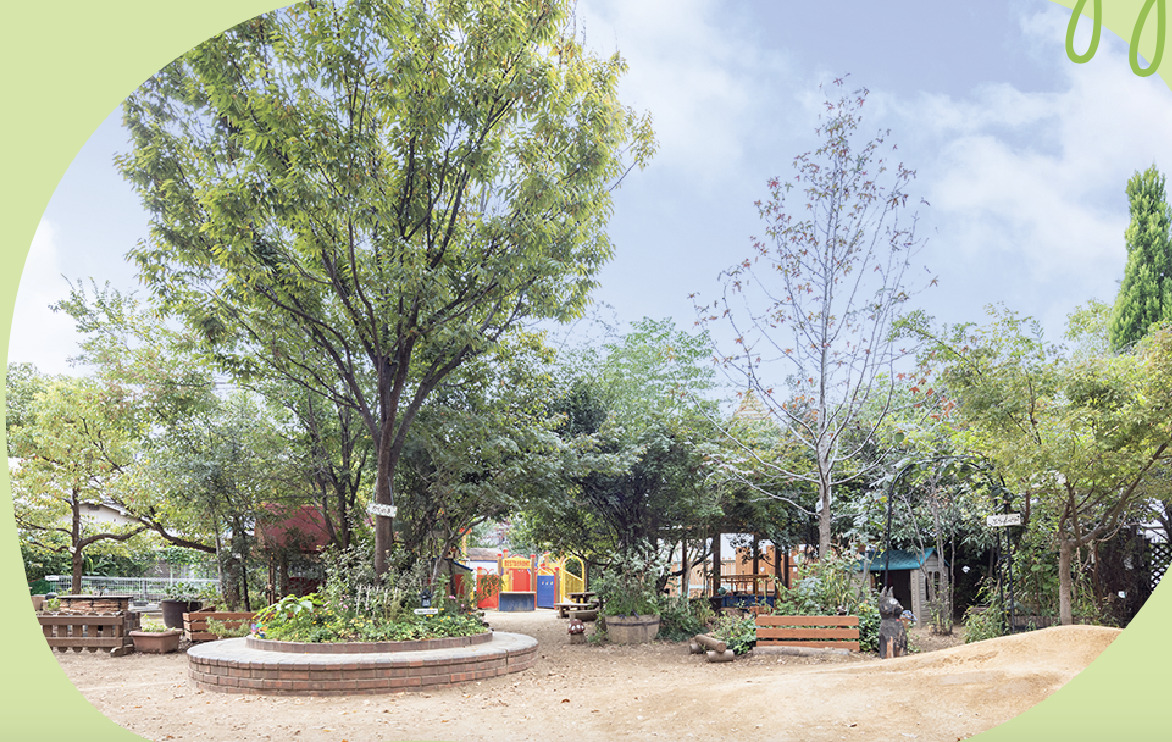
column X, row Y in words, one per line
column 156, row 642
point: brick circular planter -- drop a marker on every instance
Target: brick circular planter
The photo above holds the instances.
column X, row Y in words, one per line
column 232, row 666
column 447, row 642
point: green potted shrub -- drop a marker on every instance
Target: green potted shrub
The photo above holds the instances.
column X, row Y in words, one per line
column 627, row 592
column 154, row 637
column 181, row 598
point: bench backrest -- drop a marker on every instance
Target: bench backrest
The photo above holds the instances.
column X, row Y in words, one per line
column 808, row 631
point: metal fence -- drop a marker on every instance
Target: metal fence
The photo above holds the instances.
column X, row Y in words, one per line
column 145, row 588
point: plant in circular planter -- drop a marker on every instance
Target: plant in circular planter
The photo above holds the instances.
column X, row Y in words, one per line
column 155, row 638
column 627, row 592
column 355, row 605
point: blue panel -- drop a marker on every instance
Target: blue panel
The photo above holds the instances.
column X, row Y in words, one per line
column 546, row 597
column 516, row 601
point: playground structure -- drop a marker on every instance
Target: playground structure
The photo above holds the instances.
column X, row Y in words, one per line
column 527, row 583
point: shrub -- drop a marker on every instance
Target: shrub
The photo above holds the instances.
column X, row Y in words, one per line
column 739, row 633
column 680, row 618
column 830, row 587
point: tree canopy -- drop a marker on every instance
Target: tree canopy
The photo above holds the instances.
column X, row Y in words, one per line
column 1145, row 296
column 361, row 196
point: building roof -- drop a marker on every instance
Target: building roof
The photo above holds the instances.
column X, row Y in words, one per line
column 900, row 559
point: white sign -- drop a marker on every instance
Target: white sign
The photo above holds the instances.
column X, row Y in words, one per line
column 1001, row 521
column 426, row 611
column 377, row 508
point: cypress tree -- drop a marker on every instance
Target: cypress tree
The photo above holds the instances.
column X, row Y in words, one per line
column 1145, row 296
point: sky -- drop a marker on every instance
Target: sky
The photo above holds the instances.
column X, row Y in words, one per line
column 1021, row 155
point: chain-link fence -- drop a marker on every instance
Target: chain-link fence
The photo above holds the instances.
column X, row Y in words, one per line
column 143, row 588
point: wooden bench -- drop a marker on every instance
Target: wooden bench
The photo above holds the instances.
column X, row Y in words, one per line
column 809, row 632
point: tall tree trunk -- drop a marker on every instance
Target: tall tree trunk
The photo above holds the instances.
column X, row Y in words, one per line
column 1065, row 560
column 77, row 567
column 824, row 522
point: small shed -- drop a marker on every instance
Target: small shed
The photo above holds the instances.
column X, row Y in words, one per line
column 913, row 575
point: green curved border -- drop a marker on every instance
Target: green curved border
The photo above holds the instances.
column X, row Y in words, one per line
column 64, row 66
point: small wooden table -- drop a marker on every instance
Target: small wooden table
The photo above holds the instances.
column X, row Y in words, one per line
column 565, row 608
column 583, row 597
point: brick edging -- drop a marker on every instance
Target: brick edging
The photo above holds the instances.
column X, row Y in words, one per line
column 340, row 675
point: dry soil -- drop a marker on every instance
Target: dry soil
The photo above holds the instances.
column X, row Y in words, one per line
column 658, row 691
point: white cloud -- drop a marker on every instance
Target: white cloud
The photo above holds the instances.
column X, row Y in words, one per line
column 705, row 80
column 40, row 335
column 1038, row 177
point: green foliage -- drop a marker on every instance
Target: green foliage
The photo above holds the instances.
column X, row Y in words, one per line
column 359, row 197
column 224, row 631
column 738, row 632
column 635, row 438
column 1077, row 433
column 830, row 587
column 681, row 618
column 152, row 625
column 182, row 591
column 986, row 618
column 1145, row 295
column 627, row 587
column 314, row 619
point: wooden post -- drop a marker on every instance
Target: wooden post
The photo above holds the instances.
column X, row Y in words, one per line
column 716, row 563
column 684, row 566
column 756, row 564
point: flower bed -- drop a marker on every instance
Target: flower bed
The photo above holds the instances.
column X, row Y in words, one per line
column 450, row 642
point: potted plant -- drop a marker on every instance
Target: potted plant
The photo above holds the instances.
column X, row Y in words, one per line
column 181, row 598
column 630, row 606
column 155, row 637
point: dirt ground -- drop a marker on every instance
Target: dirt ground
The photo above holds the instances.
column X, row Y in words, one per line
column 654, row 691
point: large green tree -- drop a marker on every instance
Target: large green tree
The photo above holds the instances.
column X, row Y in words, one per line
column 636, row 426
column 1075, row 435
column 1145, row 296
column 361, row 196
column 75, row 441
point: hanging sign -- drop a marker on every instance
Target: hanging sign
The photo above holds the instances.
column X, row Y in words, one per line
column 426, row 611
column 1001, row 521
column 377, row 508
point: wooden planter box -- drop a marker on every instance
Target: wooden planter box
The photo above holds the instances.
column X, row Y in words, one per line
column 92, row 632
column 195, row 625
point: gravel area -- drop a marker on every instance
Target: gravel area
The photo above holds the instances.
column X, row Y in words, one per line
column 653, row 691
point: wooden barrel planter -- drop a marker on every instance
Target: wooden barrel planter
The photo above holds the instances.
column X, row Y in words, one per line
column 631, row 629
